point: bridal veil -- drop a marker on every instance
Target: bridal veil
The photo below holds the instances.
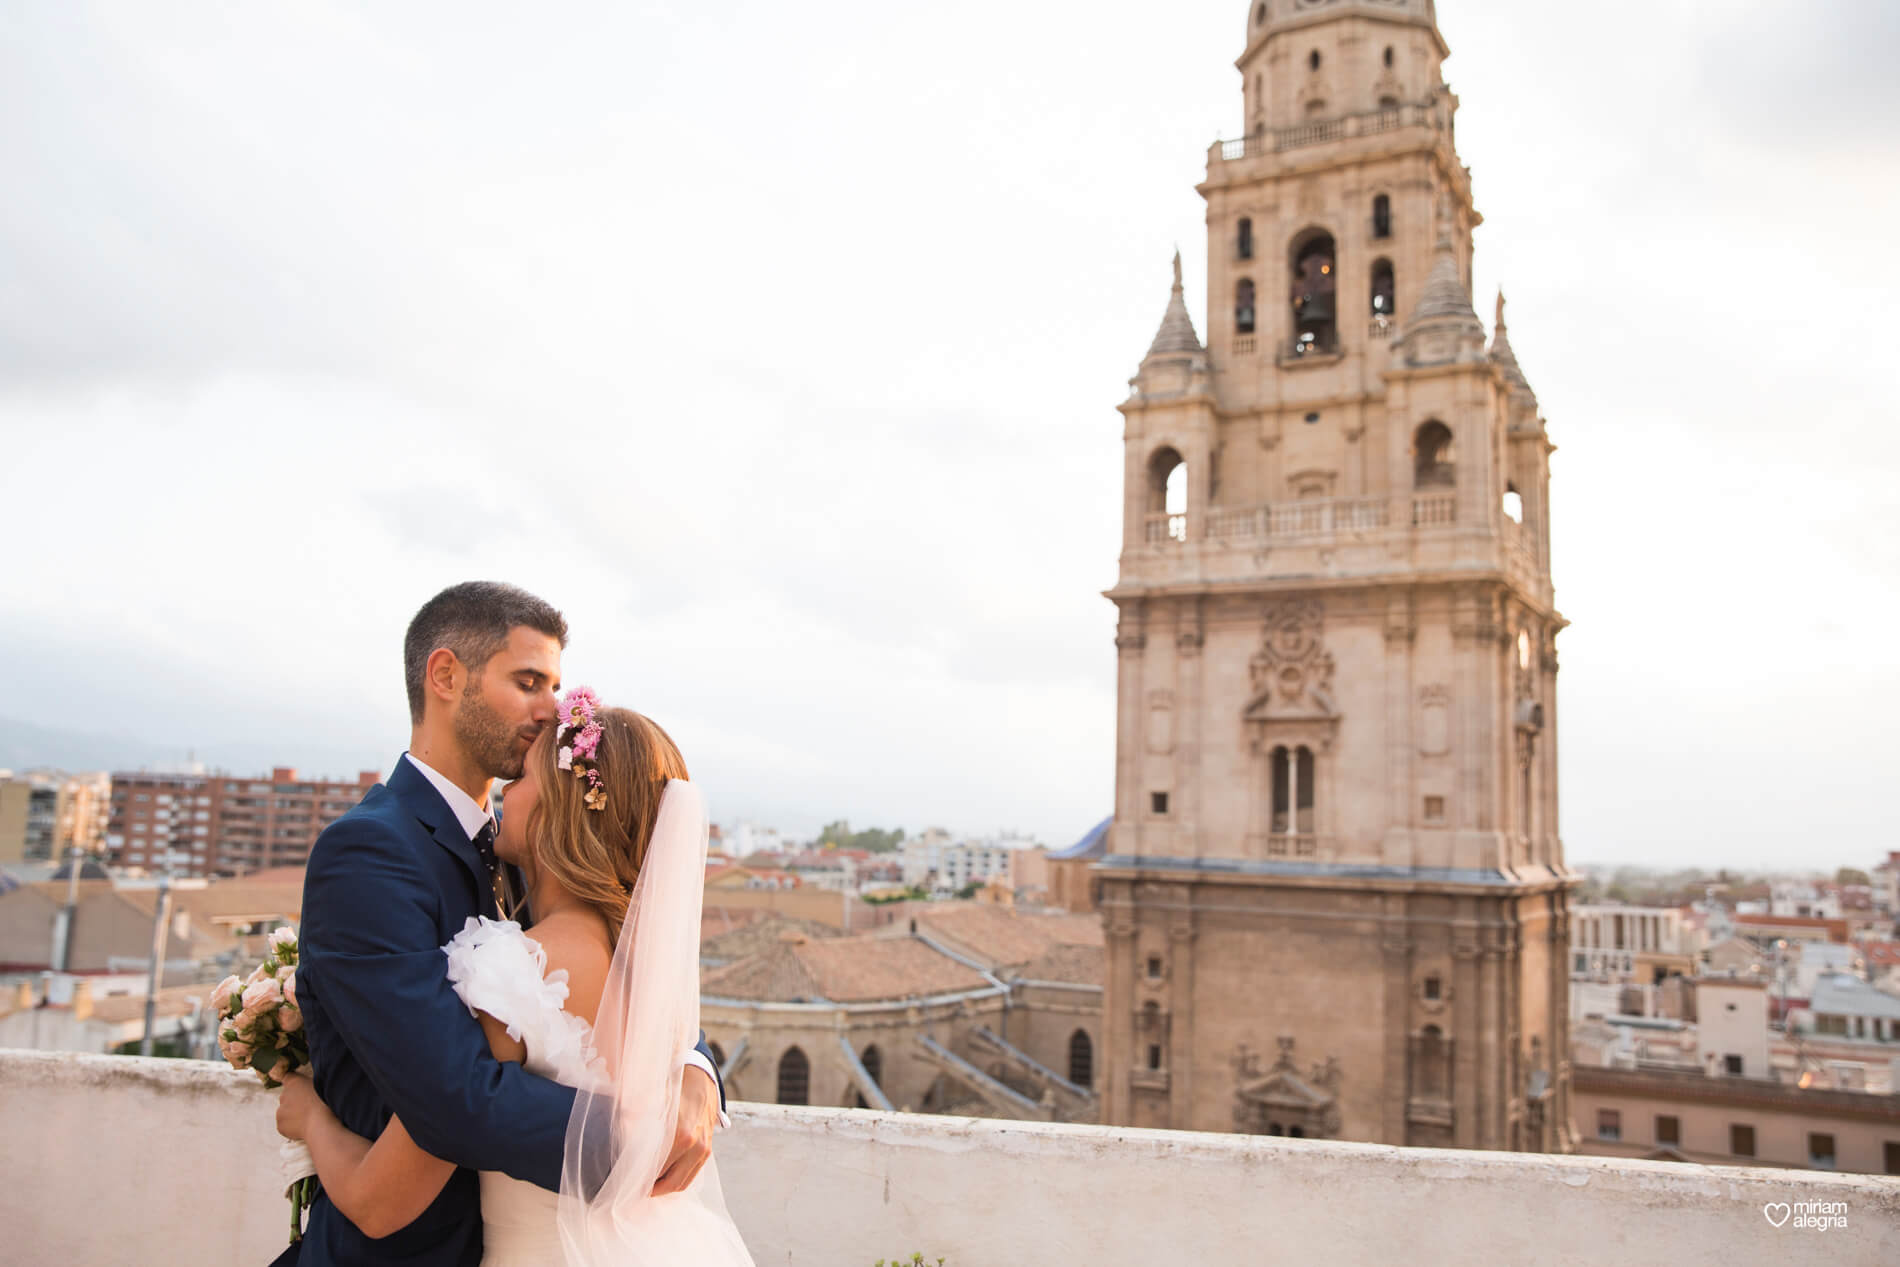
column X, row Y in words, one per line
column 621, row 1133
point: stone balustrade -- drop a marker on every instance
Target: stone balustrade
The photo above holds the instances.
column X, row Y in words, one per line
column 113, row 1160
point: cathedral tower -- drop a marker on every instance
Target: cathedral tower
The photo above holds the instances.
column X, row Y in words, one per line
column 1335, row 898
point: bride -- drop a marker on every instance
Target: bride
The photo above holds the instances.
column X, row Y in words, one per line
column 611, row 839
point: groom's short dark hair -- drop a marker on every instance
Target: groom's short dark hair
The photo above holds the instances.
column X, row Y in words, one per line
column 473, row 620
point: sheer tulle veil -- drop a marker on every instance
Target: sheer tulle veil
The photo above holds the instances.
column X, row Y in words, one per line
column 621, row 1133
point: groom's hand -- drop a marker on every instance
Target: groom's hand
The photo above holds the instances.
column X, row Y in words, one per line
column 692, row 1138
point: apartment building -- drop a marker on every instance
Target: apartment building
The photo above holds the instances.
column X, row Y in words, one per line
column 220, row 824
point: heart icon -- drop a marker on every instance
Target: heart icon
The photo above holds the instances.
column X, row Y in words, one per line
column 1777, row 1212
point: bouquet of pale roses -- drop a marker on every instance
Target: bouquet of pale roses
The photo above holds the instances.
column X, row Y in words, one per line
column 260, row 1028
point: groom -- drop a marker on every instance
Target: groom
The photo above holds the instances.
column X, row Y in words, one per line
column 394, row 879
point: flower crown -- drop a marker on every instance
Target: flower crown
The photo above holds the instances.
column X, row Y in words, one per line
column 578, row 754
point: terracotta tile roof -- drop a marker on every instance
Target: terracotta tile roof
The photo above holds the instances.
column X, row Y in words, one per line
column 1001, row 937
column 755, row 936
column 274, row 875
column 861, row 969
column 281, row 899
column 1881, row 953
column 717, row 921
column 172, row 1001
column 732, row 876
column 1835, row 929
column 1077, row 965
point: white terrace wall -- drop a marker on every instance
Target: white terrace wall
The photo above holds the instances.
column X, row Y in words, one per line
column 112, row 1160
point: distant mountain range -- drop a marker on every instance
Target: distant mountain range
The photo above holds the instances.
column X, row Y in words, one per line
column 27, row 745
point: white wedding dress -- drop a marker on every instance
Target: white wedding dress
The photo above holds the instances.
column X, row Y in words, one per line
column 498, row 969
column 627, row 1070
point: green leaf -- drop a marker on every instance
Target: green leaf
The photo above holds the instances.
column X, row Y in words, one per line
column 264, row 1059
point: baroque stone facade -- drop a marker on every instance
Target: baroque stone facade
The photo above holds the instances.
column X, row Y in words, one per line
column 1335, row 823
column 958, row 1007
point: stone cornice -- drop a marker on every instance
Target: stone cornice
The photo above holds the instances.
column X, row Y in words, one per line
column 1738, row 1092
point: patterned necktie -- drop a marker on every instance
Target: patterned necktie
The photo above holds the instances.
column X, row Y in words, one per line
column 484, row 843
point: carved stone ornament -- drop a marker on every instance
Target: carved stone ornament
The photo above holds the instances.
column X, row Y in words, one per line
column 1281, row 1096
column 1292, row 678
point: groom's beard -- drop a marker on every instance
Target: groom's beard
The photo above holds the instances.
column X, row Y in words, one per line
column 488, row 739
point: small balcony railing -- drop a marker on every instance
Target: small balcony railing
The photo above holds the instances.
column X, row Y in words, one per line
column 1163, row 527
column 1434, row 510
column 1316, row 518
column 1368, row 123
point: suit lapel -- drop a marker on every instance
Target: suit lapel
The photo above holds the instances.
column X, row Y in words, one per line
column 422, row 800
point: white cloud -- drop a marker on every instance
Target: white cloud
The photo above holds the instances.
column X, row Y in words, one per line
column 779, row 345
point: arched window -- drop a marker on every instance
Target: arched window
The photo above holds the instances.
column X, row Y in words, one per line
column 1432, row 456
column 1388, row 54
column 1513, row 504
column 794, row 1077
column 1382, row 217
column 1292, row 792
column 1388, row 103
column 1384, row 296
column 1081, row 1059
column 1312, row 60
column 1431, row 1081
column 1167, row 497
column 1243, row 306
column 1243, row 240
column 1313, row 294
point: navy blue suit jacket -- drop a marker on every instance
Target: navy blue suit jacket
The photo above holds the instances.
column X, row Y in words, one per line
column 387, row 885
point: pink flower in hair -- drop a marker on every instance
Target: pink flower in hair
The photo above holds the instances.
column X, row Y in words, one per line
column 587, row 743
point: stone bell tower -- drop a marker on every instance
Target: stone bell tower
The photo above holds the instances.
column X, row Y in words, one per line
column 1335, row 897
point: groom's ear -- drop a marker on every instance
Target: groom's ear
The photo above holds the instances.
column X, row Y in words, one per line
column 444, row 676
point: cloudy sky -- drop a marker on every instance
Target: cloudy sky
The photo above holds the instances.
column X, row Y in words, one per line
column 780, row 344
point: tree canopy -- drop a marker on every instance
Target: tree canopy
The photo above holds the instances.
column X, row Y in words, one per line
column 838, row 835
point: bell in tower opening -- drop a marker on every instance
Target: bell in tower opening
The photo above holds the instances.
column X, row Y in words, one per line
column 1314, row 284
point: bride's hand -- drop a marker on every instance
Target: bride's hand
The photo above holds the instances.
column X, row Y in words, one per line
column 692, row 1138
column 295, row 1104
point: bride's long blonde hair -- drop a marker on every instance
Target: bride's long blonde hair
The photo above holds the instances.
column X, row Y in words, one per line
column 596, row 854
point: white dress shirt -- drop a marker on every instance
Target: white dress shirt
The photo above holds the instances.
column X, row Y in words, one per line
column 473, row 818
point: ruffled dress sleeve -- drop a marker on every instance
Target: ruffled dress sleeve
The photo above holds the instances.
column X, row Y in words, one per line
column 497, row 968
